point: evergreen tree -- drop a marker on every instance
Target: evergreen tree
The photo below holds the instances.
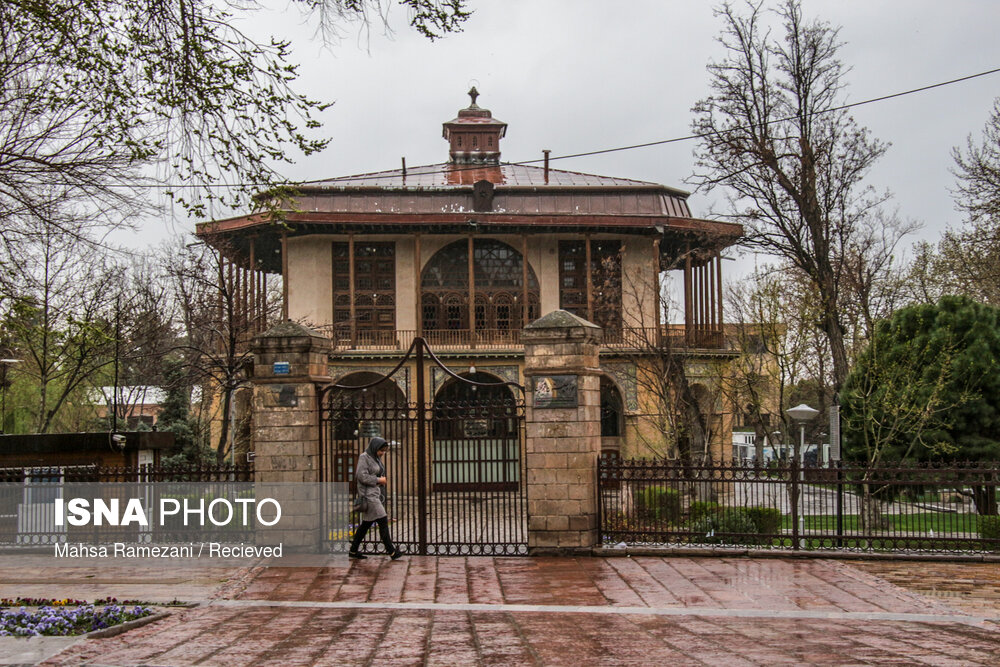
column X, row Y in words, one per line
column 926, row 388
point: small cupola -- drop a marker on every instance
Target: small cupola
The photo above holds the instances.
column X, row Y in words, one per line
column 474, row 137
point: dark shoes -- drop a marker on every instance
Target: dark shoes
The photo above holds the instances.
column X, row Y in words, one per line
column 396, row 555
column 356, row 556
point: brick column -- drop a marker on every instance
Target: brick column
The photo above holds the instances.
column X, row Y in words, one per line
column 290, row 362
column 563, row 432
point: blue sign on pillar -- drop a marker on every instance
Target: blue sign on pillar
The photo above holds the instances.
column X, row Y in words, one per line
column 282, row 368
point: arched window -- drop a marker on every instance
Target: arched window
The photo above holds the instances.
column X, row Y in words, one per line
column 476, row 442
column 612, row 412
column 499, row 303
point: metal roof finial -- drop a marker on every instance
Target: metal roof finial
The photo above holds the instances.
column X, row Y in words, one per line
column 473, row 93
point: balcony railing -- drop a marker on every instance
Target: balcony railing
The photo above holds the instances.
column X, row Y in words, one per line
column 464, row 340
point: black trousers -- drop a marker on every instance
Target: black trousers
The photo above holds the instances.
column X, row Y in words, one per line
column 383, row 532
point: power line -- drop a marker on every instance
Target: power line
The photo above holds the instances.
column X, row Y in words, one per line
column 415, row 171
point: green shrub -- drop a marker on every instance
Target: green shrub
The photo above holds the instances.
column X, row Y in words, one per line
column 989, row 529
column 700, row 509
column 766, row 519
column 659, row 503
column 712, row 528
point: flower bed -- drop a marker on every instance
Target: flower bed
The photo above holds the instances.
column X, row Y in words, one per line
column 62, row 621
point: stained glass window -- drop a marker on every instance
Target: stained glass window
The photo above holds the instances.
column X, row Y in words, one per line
column 499, row 288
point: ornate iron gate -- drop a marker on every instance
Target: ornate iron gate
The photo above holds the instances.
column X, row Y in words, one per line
column 456, row 465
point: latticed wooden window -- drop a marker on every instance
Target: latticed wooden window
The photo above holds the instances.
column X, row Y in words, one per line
column 606, row 265
column 573, row 277
column 499, row 302
column 606, row 276
column 374, row 285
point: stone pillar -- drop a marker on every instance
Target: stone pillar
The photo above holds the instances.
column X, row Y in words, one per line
column 563, row 432
column 290, row 363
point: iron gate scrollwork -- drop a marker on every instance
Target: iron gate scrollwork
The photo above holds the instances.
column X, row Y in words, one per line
column 455, row 468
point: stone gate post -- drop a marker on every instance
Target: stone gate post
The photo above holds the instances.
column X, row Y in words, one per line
column 563, row 431
column 290, row 363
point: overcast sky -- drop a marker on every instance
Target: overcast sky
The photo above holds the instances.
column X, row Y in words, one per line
column 579, row 75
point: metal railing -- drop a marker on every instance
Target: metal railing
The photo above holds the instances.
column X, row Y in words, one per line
column 782, row 505
column 28, row 496
column 626, row 338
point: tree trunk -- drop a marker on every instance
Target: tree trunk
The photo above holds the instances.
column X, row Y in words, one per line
column 838, row 351
column 220, row 450
column 869, row 510
column 985, row 498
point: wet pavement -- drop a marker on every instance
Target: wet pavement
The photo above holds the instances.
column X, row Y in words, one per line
column 563, row 611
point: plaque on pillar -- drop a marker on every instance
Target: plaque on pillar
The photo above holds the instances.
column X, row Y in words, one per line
column 555, row 391
column 284, row 396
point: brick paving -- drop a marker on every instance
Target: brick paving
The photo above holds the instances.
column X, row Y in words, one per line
column 973, row 587
column 552, row 611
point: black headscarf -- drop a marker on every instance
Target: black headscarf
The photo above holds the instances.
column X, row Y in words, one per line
column 374, row 446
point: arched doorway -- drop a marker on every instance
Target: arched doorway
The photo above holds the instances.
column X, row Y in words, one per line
column 357, row 415
column 476, row 436
column 502, row 304
column 612, row 426
column 612, row 410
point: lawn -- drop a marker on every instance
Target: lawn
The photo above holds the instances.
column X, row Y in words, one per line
column 942, row 523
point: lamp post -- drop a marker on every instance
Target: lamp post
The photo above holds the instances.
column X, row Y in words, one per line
column 801, row 413
column 5, row 363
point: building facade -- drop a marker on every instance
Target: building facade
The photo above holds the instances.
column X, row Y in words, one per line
column 467, row 252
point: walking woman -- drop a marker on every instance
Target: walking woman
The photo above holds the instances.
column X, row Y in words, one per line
column 371, row 479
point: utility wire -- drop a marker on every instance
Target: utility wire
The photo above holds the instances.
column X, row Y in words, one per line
column 415, row 171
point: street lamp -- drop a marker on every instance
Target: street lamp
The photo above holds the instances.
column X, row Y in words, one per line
column 802, row 413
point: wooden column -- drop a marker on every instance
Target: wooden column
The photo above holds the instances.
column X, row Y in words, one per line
column 350, row 288
column 590, row 283
column 263, row 301
column 718, row 275
column 230, row 306
column 524, row 281
column 699, row 273
column 472, row 292
column 707, row 295
column 245, row 296
column 253, row 285
column 688, row 300
column 284, row 276
column 417, row 295
column 657, row 301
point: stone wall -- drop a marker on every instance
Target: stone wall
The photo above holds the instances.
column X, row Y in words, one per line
column 286, row 428
column 562, row 442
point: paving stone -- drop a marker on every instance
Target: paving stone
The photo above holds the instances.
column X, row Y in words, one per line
column 565, row 611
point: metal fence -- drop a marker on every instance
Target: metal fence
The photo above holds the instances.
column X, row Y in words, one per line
column 28, row 495
column 782, row 505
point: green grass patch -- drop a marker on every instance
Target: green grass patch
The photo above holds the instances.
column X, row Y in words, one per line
column 922, row 522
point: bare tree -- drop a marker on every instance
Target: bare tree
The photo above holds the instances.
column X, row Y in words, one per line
column 967, row 259
column 677, row 420
column 216, row 330
column 978, row 173
column 58, row 298
column 792, row 162
column 53, row 148
column 144, row 332
column 91, row 92
column 770, row 353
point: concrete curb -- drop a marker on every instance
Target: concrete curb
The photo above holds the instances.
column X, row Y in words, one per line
column 605, row 552
column 115, row 630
